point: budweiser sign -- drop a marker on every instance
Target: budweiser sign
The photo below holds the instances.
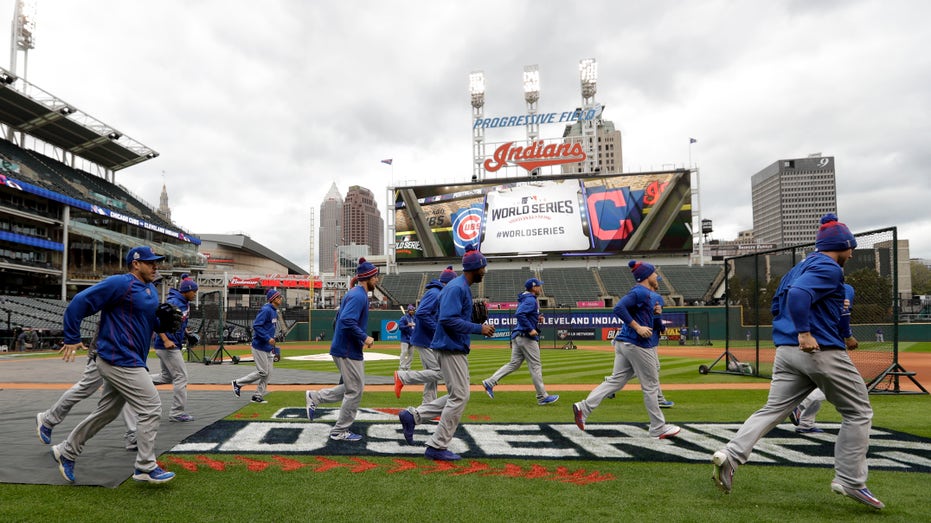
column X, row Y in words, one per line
column 538, row 154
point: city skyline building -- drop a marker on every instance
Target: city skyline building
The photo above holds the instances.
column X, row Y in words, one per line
column 362, row 221
column 330, row 231
column 610, row 157
column 790, row 196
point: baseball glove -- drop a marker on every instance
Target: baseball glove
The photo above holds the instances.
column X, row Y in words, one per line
column 192, row 340
column 479, row 312
column 169, row 318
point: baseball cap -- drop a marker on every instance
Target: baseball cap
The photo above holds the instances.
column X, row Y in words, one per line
column 143, row 253
column 532, row 282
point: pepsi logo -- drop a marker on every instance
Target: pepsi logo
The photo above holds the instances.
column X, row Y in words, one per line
column 391, row 326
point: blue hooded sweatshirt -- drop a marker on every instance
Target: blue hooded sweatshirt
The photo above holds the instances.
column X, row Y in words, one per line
column 127, row 318
column 810, row 298
column 527, row 316
column 406, row 326
column 454, row 324
column 176, row 298
column 658, row 326
column 637, row 305
column 426, row 314
column 349, row 334
column 264, row 328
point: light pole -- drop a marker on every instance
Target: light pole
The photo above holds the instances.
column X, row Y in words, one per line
column 532, row 96
column 588, row 78
column 477, row 94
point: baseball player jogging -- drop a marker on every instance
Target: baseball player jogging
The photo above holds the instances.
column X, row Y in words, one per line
column 634, row 353
column 451, row 343
column 264, row 329
column 349, row 340
column 129, row 313
column 425, row 327
column 406, row 325
column 810, row 354
column 525, row 344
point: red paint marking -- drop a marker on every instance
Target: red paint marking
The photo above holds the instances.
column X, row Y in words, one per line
column 288, row 464
column 473, row 468
column 536, row 471
column 594, row 477
column 393, row 412
column 212, row 463
column 362, row 465
column 439, row 466
column 185, row 464
column 479, row 417
column 254, row 465
column 241, row 415
column 510, row 470
column 403, row 466
column 328, row 464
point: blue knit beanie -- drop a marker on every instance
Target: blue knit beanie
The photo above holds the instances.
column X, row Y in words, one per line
column 642, row 270
column 187, row 285
column 271, row 294
column 365, row 270
column 447, row 275
column 473, row 259
column 834, row 235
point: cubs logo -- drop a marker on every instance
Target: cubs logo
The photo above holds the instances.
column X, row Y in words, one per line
column 467, row 225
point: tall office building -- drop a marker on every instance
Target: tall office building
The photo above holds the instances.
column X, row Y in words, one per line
column 163, row 209
column 610, row 158
column 330, row 230
column 790, row 197
column 362, row 222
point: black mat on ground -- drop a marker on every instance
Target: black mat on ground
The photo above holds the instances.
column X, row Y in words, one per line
column 104, row 461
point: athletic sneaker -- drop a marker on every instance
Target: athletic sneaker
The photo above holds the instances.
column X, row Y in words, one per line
column 723, row 473
column 796, row 415
column 311, row 406
column 441, row 455
column 44, row 433
column 862, row 495
column 489, row 390
column 236, row 388
column 809, row 430
column 345, row 436
column 407, row 425
column 549, row 399
column 398, row 385
column 183, row 417
column 579, row 417
column 669, row 432
column 666, row 404
column 156, row 475
column 65, row 465
column 258, row 399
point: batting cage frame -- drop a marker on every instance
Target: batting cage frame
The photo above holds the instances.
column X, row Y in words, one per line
column 873, row 271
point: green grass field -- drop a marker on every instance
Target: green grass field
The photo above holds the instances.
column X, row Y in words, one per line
column 637, row 490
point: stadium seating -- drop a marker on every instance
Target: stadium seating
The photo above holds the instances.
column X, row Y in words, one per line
column 693, row 283
column 569, row 285
column 404, row 288
column 503, row 285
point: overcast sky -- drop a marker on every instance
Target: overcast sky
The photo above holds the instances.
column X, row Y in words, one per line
column 257, row 107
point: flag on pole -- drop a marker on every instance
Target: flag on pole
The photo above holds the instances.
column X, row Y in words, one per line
column 692, row 140
column 388, row 161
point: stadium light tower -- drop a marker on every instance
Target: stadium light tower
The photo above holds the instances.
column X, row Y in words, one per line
column 23, row 33
column 588, row 78
column 532, row 96
column 477, row 93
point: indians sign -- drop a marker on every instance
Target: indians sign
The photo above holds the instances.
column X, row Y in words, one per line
column 539, row 154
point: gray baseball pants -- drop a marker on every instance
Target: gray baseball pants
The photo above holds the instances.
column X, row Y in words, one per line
column 796, row 374
column 174, row 371
column 264, row 363
column 349, row 392
column 455, row 368
column 429, row 376
column 407, row 356
column 629, row 361
column 523, row 348
column 122, row 385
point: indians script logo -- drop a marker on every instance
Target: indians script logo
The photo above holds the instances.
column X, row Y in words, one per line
column 536, row 155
